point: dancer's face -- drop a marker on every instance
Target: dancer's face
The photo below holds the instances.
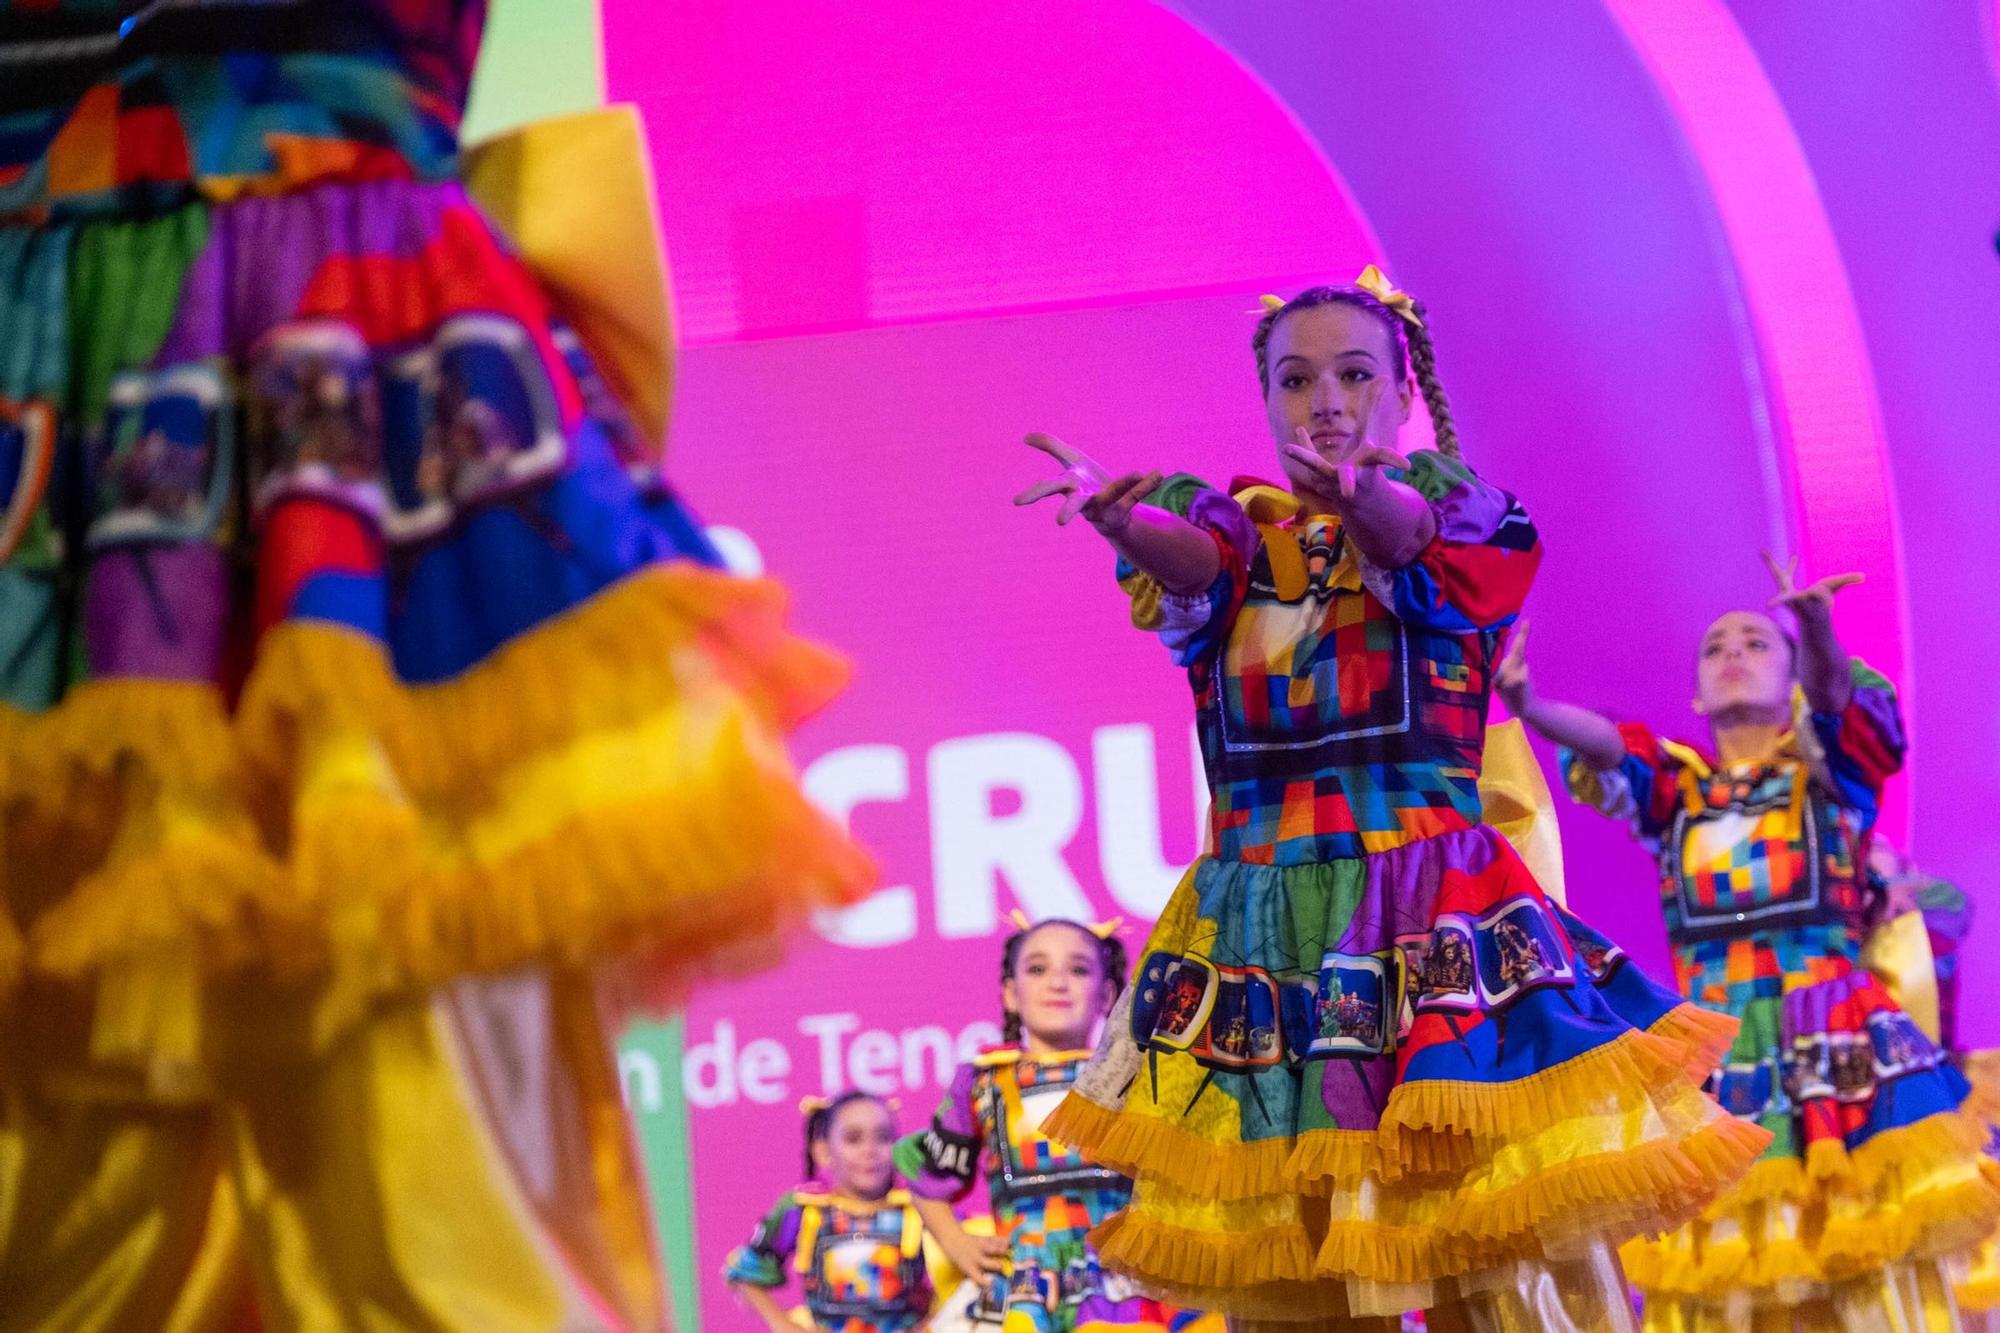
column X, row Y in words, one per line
column 855, row 1154
column 1059, row 988
column 1333, row 372
column 1745, row 665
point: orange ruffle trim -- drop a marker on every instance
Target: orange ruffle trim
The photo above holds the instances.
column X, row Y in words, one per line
column 611, row 783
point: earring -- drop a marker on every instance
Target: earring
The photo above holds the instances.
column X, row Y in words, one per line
column 1700, row 708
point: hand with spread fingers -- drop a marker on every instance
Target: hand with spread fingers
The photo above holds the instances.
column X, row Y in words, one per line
column 1104, row 502
column 1166, row 546
column 1345, row 470
column 1823, row 667
column 1815, row 600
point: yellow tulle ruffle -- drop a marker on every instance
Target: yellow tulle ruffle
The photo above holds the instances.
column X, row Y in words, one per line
column 1459, row 1179
column 1793, row 1230
column 611, row 783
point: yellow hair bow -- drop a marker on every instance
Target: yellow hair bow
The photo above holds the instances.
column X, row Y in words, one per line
column 1270, row 303
column 1104, row 930
column 810, row 1105
column 1376, row 284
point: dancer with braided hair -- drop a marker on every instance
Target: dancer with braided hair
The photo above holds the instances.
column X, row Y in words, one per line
column 1340, row 1097
column 1057, row 979
column 1874, row 1192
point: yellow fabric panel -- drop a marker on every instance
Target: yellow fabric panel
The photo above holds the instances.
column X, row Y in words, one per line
column 575, row 195
column 1514, row 798
column 109, row 1219
column 1899, row 953
column 375, row 1201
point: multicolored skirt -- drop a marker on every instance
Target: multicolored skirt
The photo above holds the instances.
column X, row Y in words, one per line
column 1353, row 1088
column 1878, row 1186
column 348, row 630
column 1055, row 1283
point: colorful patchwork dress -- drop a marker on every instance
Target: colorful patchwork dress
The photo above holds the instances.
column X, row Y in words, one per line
column 350, row 645
column 1045, row 1198
column 1874, row 1174
column 861, row 1265
column 1367, row 1064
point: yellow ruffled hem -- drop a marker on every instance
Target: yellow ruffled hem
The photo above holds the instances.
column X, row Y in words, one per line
column 1634, row 1062
column 205, row 886
column 1143, row 1145
column 1946, row 1134
column 1437, row 1132
column 610, row 783
column 1739, row 1245
column 1611, row 1195
column 1151, row 1250
column 1704, row 1035
column 105, row 726
column 604, row 664
column 1956, row 1219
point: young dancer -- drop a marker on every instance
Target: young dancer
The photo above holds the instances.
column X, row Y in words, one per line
column 1366, row 1064
column 1874, row 1177
column 854, row 1240
column 1057, row 979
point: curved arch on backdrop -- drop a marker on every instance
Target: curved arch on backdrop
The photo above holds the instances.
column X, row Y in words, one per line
column 1835, row 485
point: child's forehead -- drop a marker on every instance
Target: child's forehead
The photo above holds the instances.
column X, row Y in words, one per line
column 1059, row 938
column 861, row 1110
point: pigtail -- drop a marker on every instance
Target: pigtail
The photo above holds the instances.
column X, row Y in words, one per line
column 817, row 1120
column 1010, row 1021
column 1117, row 967
column 1423, row 367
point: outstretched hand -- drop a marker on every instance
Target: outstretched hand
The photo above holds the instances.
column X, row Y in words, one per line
column 1105, row 502
column 1511, row 680
column 1354, row 466
column 1815, row 600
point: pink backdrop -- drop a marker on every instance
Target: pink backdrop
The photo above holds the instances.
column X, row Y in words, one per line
column 902, row 234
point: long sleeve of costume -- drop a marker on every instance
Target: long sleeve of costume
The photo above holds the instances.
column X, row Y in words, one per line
column 1641, row 791
column 761, row 1260
column 942, row 1161
column 1476, row 572
column 1193, row 626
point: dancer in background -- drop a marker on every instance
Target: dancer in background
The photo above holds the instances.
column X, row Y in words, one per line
column 1057, row 979
column 365, row 693
column 1874, row 1187
column 855, row 1242
column 1366, row 1064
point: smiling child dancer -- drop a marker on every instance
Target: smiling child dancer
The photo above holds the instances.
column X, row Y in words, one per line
column 1057, row 979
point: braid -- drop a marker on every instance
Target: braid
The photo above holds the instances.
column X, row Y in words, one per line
column 816, row 1127
column 1423, row 364
column 1116, row 966
column 1010, row 1020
